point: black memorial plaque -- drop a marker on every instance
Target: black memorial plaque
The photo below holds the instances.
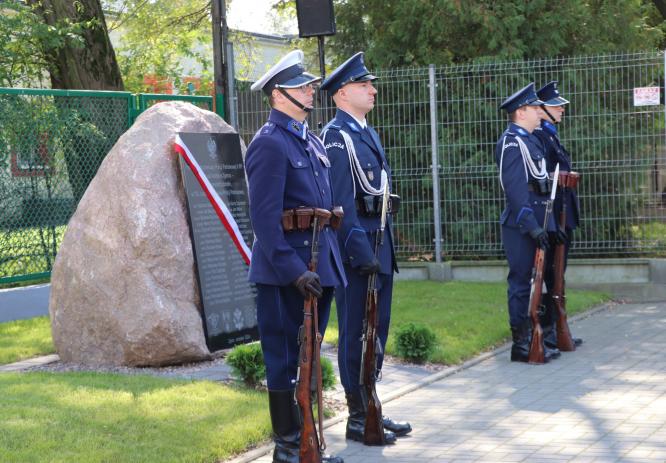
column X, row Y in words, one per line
column 228, row 299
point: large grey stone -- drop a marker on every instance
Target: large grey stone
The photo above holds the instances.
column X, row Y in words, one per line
column 123, row 284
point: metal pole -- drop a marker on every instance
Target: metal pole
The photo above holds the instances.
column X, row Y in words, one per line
column 322, row 72
column 435, row 165
column 219, row 16
column 322, row 65
column 232, row 100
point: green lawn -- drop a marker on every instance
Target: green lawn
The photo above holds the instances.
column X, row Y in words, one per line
column 468, row 318
column 23, row 339
column 103, row 418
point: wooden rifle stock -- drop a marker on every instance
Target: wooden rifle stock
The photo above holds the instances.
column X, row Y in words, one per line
column 373, row 433
column 311, row 444
column 565, row 341
column 536, row 354
column 374, row 424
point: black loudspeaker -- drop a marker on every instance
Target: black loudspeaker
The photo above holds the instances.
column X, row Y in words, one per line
column 315, row 17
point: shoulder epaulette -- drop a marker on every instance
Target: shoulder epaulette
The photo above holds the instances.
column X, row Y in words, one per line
column 267, row 128
column 332, row 124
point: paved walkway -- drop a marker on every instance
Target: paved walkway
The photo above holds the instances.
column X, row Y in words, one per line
column 606, row 402
column 25, row 302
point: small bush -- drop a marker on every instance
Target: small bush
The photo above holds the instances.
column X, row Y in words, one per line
column 327, row 374
column 247, row 363
column 415, row 342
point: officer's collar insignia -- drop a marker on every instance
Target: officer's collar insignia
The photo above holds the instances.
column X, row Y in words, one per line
column 550, row 127
column 353, row 126
column 522, row 131
column 298, row 128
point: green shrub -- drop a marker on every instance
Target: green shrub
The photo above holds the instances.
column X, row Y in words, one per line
column 247, row 363
column 327, row 374
column 415, row 342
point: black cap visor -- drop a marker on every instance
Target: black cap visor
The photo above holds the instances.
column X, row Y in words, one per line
column 557, row 101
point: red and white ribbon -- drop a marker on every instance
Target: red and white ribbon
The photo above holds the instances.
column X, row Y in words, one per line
column 220, row 208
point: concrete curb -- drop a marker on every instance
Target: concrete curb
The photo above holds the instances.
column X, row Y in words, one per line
column 33, row 362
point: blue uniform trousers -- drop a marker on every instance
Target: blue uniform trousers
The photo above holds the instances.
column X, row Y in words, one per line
column 519, row 249
column 350, row 304
column 279, row 315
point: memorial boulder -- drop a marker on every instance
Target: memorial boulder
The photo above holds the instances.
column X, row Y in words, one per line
column 123, row 286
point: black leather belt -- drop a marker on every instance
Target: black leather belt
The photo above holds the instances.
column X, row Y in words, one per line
column 540, row 189
column 371, row 206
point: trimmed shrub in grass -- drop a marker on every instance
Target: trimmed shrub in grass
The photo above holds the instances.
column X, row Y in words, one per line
column 327, row 374
column 247, row 363
column 415, row 342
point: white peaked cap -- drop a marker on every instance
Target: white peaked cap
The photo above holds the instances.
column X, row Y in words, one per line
column 287, row 73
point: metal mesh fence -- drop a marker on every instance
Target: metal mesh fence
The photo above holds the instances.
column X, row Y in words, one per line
column 51, row 144
column 617, row 147
column 439, row 126
column 51, row 148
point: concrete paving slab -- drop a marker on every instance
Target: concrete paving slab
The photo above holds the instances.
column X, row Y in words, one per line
column 605, row 402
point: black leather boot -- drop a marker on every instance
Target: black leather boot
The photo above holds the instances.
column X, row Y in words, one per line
column 286, row 422
column 356, row 421
column 399, row 428
column 521, row 336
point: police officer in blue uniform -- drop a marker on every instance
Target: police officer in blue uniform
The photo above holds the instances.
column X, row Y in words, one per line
column 554, row 152
column 287, row 168
column 357, row 162
column 524, row 179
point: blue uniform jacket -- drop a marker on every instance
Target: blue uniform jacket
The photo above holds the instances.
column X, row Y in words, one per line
column 356, row 237
column 554, row 153
column 525, row 209
column 287, row 167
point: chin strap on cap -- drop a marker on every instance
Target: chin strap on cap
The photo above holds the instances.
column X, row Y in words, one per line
column 549, row 114
column 294, row 100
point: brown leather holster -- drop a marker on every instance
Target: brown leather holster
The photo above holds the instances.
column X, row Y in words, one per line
column 302, row 218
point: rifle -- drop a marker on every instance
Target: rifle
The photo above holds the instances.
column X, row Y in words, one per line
column 564, row 339
column 373, row 433
column 309, row 340
column 536, row 354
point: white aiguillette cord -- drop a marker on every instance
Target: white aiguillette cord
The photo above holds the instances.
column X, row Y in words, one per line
column 358, row 171
column 538, row 173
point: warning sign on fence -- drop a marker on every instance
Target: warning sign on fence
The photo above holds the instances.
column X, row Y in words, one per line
column 646, row 96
